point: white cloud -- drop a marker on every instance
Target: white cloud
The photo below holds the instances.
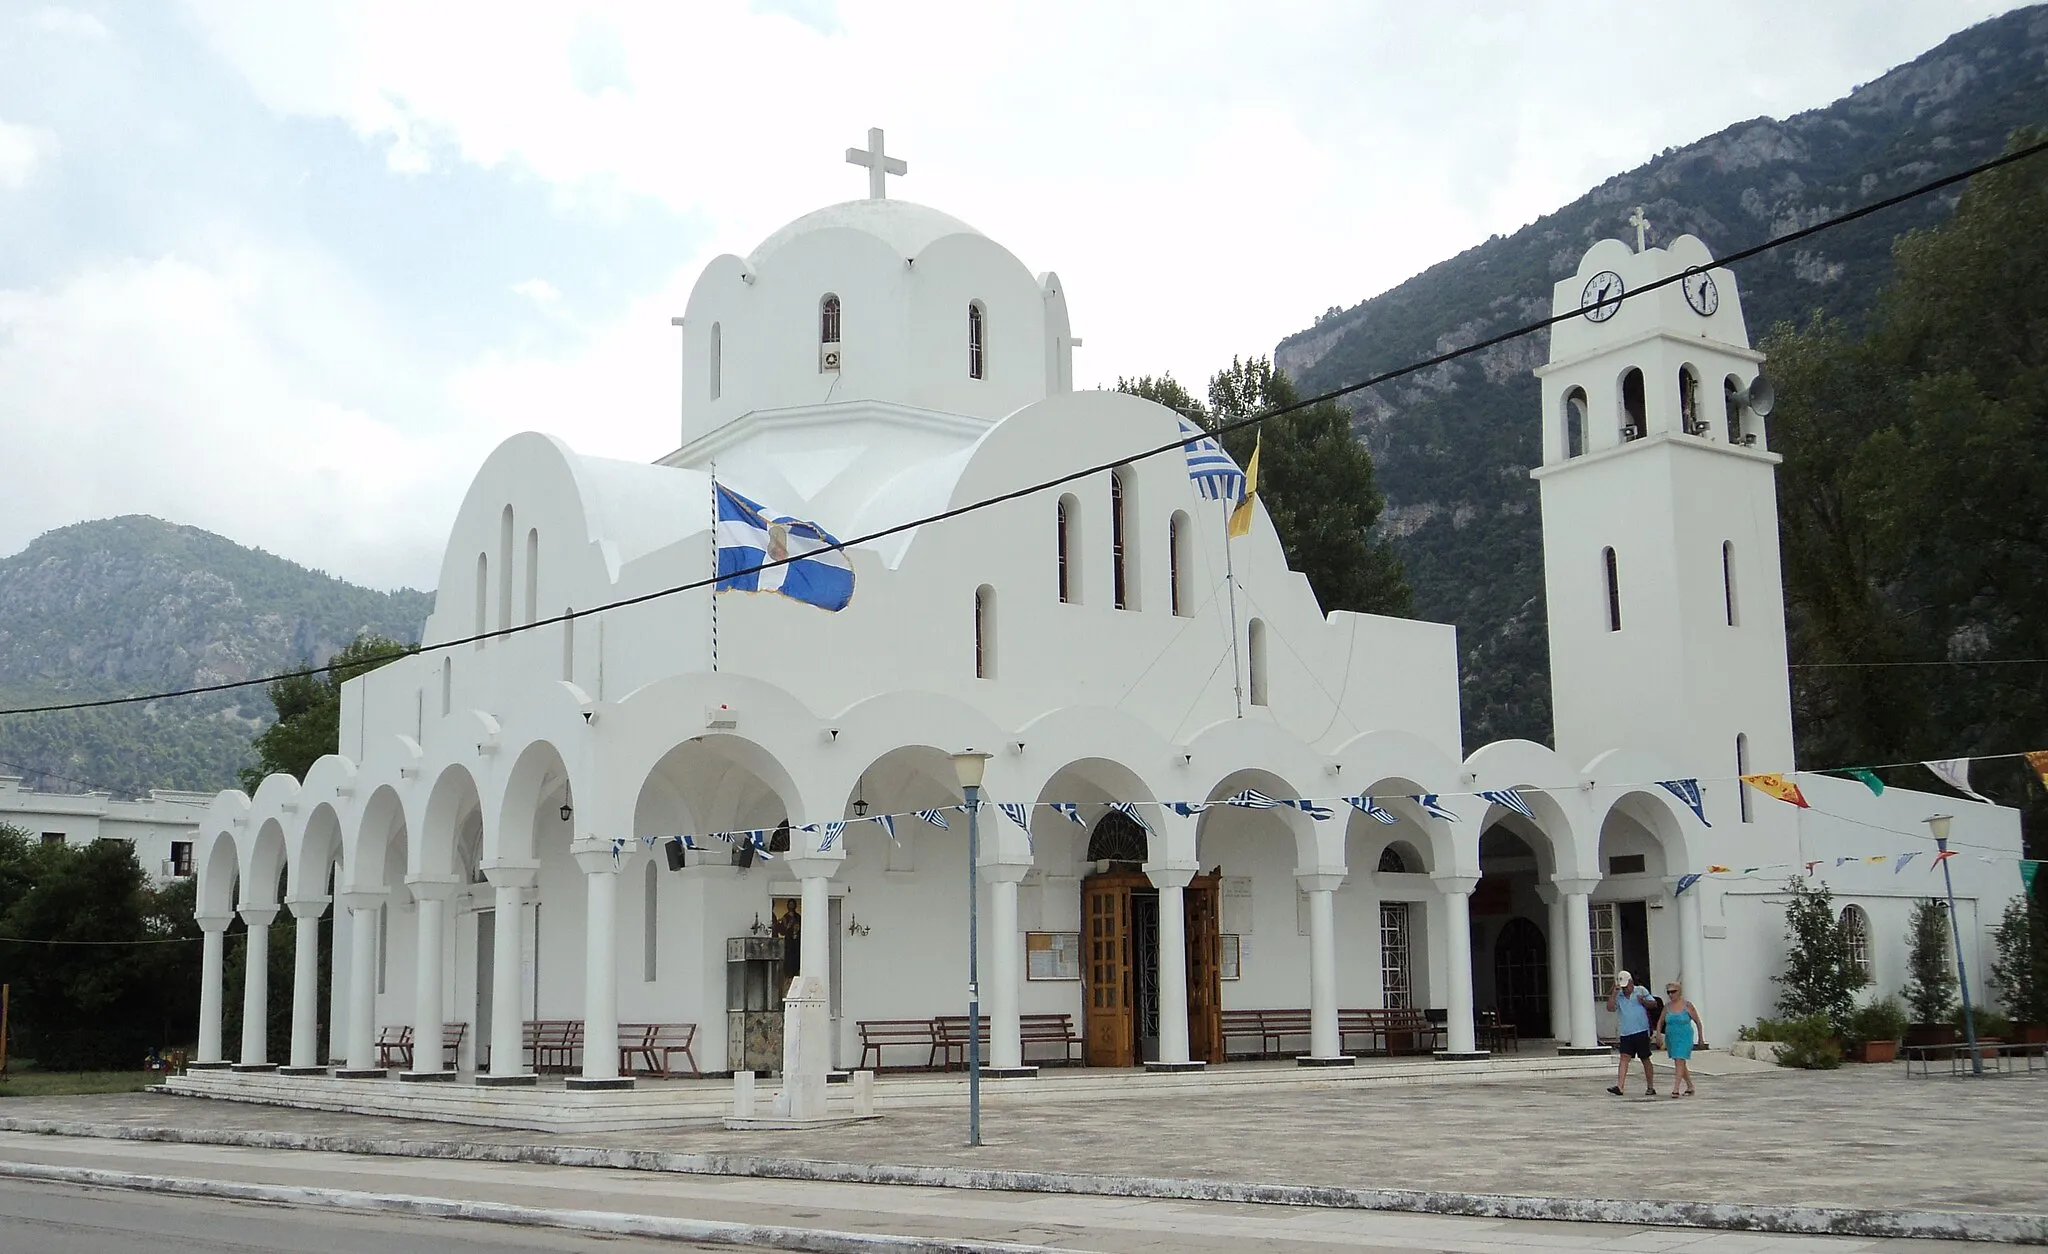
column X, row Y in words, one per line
column 539, row 291
column 63, row 21
column 22, row 149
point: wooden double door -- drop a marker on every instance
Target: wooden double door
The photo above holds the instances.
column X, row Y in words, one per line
column 1120, row 978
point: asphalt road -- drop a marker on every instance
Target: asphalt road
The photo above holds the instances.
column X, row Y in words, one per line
column 38, row 1218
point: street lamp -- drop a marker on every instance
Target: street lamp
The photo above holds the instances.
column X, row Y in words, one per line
column 1938, row 824
column 968, row 765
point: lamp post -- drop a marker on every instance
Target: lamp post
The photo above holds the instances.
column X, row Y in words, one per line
column 968, row 766
column 1938, row 824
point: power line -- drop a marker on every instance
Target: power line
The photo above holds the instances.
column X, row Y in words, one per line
column 1982, row 661
column 1252, row 420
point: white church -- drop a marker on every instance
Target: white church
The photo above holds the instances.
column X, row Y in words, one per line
column 1202, row 793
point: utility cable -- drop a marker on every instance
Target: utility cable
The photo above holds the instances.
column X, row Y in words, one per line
column 1239, row 424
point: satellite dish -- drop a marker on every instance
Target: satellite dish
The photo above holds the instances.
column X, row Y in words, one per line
column 1761, row 397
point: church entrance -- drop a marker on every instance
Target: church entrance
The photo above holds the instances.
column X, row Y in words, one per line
column 1120, row 991
column 1521, row 978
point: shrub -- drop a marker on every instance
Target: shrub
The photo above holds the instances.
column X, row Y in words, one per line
column 1989, row 1023
column 1763, row 1030
column 1819, row 978
column 1881, row 1020
column 1931, row 981
column 1810, row 1044
column 2021, row 969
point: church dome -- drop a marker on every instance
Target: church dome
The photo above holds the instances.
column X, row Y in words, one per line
column 905, row 226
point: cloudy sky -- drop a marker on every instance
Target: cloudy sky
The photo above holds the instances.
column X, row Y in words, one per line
column 288, row 269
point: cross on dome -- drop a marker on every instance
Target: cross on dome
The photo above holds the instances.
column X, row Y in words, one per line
column 879, row 164
column 1636, row 219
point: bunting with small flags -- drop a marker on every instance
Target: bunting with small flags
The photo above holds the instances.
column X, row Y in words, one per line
column 932, row 817
column 1373, row 809
column 1314, row 810
column 1187, row 809
column 1071, row 810
column 1508, row 799
column 1779, row 786
column 1251, row 799
column 1130, row 811
column 2038, row 759
column 1904, row 858
column 888, row 822
column 1686, row 881
column 1688, row 791
column 1866, row 777
column 1020, row 815
column 1955, row 772
column 831, row 835
column 1432, row 807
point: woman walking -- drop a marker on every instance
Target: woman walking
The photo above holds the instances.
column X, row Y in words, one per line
column 1682, row 1026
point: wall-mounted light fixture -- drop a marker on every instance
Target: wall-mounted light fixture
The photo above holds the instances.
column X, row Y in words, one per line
column 854, row 927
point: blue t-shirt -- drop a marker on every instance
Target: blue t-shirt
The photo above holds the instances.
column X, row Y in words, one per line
column 1634, row 1016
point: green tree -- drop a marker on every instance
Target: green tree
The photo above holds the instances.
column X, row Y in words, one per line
column 1315, row 479
column 308, row 709
column 1819, row 978
column 1930, row 980
column 2021, row 969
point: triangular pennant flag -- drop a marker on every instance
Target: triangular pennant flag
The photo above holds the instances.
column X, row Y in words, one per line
column 1688, row 791
column 2038, row 759
column 1941, row 857
column 932, row 817
column 1955, row 772
column 1779, row 786
column 831, row 835
column 690, row 842
column 1718, row 869
column 1251, row 799
column 1841, row 860
column 2029, row 867
column 618, row 847
column 1811, row 865
column 888, row 822
column 1373, row 810
column 1685, row 882
column 1508, row 798
column 1433, row 807
column 1071, row 810
column 1021, row 816
column 1314, row 811
column 1187, row 809
column 1904, row 858
column 1130, row 811
column 1866, row 777
column 1879, row 858
column 758, row 838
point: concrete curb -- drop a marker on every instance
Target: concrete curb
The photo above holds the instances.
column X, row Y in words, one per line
column 1994, row 1226
column 615, row 1223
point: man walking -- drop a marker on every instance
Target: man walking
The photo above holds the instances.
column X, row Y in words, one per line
column 1633, row 1025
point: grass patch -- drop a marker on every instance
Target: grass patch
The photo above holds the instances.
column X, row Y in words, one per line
column 68, row 1083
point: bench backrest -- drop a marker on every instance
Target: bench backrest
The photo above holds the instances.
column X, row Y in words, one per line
column 898, row 1029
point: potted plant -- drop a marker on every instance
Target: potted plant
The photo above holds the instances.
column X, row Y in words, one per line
column 1931, row 981
column 2021, row 969
column 1874, row 1030
column 1820, row 977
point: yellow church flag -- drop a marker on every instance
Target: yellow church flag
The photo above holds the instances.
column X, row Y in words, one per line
column 2038, row 759
column 1777, row 786
column 1241, row 516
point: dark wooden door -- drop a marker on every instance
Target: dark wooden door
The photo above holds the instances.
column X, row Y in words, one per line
column 1521, row 978
column 1204, row 911
column 1107, row 985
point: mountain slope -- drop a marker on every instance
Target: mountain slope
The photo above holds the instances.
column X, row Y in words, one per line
column 1454, row 446
column 136, row 604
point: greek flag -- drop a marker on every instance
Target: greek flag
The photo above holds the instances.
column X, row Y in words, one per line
column 618, row 847
column 1373, row 809
column 1130, row 811
column 1209, row 467
column 1071, row 810
column 1509, row 799
column 724, row 836
column 1433, row 807
column 932, row 817
column 1684, row 882
column 888, row 822
column 831, row 837
column 760, row 845
column 1313, row 810
column 1251, row 799
column 820, row 575
column 1688, row 791
column 1188, row 809
column 1018, row 814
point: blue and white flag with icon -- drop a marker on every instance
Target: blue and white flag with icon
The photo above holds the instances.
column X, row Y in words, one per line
column 1187, row 809
column 816, row 572
column 1213, row 473
column 1688, row 791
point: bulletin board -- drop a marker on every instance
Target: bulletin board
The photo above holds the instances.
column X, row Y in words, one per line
column 1052, row 955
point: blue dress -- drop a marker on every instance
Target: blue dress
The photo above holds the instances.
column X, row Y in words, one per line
column 1678, row 1032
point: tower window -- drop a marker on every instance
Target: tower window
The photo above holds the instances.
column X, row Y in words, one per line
column 1177, row 562
column 569, row 643
column 1116, row 540
column 1256, row 642
column 717, row 370
column 1689, row 401
column 1728, row 578
column 828, row 320
column 1613, row 573
column 483, row 584
column 1634, row 408
column 505, row 532
column 984, row 632
column 1731, row 400
column 977, row 329
column 532, row 607
column 1575, row 423
column 1069, row 556
column 1741, row 769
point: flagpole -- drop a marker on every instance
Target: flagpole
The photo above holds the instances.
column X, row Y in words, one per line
column 714, row 568
column 1230, row 579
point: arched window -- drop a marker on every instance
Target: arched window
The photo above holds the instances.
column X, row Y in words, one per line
column 1613, row 573
column 717, row 368
column 1256, row 652
column 1575, row 423
column 1732, row 394
column 1118, row 579
column 1118, row 838
column 1741, row 769
column 532, row 606
column 828, row 319
column 1728, row 579
column 505, row 569
column 1856, row 935
column 1178, row 561
column 569, row 644
column 977, row 332
column 984, row 632
column 1069, row 551
column 1689, row 402
column 650, row 944
column 447, row 685
column 483, row 584
column 1391, row 862
column 1634, row 407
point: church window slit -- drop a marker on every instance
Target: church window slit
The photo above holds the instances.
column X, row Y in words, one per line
column 532, row 606
column 505, row 531
column 717, row 370
column 1613, row 574
column 977, row 331
column 483, row 585
column 1741, row 769
column 1689, row 401
column 447, row 685
column 1069, row 554
column 1575, row 423
column 984, row 632
column 569, row 644
column 1634, row 407
column 1728, row 579
column 1119, row 576
column 1255, row 655
column 1397, row 986
column 1177, row 563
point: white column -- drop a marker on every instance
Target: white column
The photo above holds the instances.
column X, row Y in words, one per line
column 256, row 987
column 305, row 1050
column 1578, row 934
column 1457, row 898
column 509, row 882
column 339, row 953
column 362, row 980
column 1005, row 966
column 1324, row 1045
column 1559, row 951
column 1691, row 950
column 601, row 867
column 1173, row 964
column 213, row 958
column 429, row 1006
column 814, row 943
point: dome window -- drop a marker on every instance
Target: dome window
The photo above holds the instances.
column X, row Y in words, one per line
column 977, row 330
column 828, row 333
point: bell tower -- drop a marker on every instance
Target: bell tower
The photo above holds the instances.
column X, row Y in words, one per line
column 1660, row 522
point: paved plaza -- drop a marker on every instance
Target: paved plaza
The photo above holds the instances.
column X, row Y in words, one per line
column 1862, row 1137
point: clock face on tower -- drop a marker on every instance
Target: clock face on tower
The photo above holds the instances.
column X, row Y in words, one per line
column 1601, row 297
column 1701, row 293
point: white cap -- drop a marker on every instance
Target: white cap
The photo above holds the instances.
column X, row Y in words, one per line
column 1623, row 977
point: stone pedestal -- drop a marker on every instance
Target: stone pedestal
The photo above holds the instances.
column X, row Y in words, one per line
column 806, row 1068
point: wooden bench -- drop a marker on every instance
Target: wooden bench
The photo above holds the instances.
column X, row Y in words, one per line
column 1240, row 1025
column 657, row 1044
column 1032, row 1029
column 394, row 1044
column 552, row 1043
column 1494, row 1035
column 879, row 1034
